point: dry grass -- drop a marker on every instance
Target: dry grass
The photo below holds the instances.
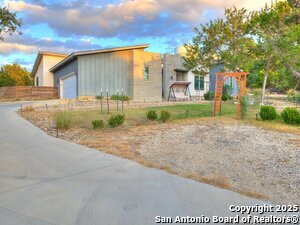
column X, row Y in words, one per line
column 253, row 194
column 125, row 141
column 28, row 108
column 215, row 180
column 275, row 126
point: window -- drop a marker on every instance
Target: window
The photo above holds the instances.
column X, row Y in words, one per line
column 146, row 73
column 199, row 83
column 37, row 81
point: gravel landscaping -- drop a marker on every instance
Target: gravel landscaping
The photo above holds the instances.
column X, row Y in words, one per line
column 224, row 152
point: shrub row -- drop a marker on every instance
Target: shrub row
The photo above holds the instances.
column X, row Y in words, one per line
column 113, row 121
column 289, row 115
column 164, row 115
column 119, row 97
column 114, row 97
column 210, row 96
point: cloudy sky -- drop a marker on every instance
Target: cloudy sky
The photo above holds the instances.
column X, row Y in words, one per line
column 72, row 25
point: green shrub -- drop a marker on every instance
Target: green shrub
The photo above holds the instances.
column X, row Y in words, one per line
column 268, row 113
column 97, row 124
column 119, row 97
column 62, row 120
column 151, row 115
column 116, row 120
column 244, row 106
column 99, row 97
column 164, row 116
column 225, row 97
column 208, row 96
column 291, row 116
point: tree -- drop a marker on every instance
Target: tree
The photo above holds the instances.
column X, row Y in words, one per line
column 14, row 75
column 292, row 37
column 8, row 22
column 290, row 59
column 224, row 40
column 294, row 3
column 5, row 80
column 269, row 26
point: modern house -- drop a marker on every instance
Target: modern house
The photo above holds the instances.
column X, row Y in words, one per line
column 175, row 72
column 129, row 69
column 43, row 62
column 230, row 81
column 141, row 75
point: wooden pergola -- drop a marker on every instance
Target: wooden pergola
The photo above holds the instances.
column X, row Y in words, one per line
column 241, row 78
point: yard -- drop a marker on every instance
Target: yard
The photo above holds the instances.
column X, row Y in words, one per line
column 252, row 157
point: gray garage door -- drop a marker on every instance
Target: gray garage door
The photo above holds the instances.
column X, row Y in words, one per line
column 69, row 87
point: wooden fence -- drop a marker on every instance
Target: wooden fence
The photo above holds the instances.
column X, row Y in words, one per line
column 28, row 93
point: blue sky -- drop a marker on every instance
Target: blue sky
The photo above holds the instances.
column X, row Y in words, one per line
column 72, row 25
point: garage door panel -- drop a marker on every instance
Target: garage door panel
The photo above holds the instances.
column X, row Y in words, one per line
column 69, row 86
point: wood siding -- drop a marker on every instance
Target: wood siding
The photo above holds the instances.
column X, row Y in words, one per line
column 28, row 92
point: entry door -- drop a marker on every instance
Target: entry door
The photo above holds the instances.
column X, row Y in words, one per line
column 69, row 87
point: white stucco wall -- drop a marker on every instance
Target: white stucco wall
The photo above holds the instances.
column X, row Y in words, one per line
column 48, row 63
column 39, row 74
column 192, row 85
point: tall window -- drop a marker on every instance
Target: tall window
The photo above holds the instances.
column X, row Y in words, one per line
column 146, row 73
column 199, row 83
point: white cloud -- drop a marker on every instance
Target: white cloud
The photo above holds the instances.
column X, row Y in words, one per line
column 9, row 48
column 128, row 17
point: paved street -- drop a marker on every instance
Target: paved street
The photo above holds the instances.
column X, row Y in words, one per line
column 45, row 180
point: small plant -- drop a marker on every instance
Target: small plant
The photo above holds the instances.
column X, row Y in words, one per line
column 268, row 113
column 99, row 97
column 28, row 108
column 291, row 116
column 244, row 106
column 116, row 120
column 164, row 116
column 208, row 96
column 151, row 115
column 225, row 97
column 98, row 124
column 119, row 97
column 62, row 120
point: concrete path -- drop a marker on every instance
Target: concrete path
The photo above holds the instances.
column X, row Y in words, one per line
column 45, row 180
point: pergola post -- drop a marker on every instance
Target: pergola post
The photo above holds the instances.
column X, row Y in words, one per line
column 241, row 78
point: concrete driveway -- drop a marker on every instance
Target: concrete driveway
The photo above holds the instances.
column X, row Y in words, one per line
column 45, row 180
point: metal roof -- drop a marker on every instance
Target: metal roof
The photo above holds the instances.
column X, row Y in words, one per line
column 39, row 58
column 72, row 56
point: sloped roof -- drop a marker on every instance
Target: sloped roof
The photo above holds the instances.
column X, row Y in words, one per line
column 39, row 58
column 72, row 56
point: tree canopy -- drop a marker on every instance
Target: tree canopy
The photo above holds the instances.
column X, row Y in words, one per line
column 263, row 42
column 14, row 75
column 222, row 40
column 9, row 22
